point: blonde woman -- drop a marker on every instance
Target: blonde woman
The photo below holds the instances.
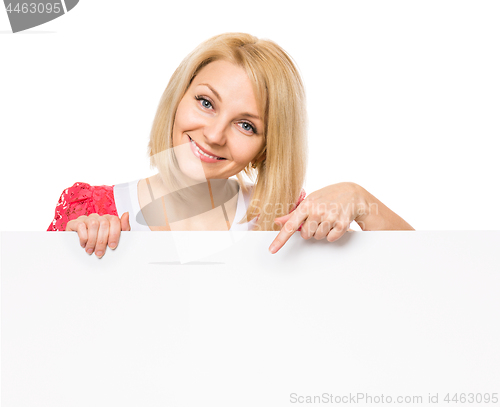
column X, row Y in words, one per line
column 234, row 106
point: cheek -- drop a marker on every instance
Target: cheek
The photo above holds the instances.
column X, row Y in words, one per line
column 186, row 118
column 246, row 151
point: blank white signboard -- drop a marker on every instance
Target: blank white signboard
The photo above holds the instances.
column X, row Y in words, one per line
column 374, row 316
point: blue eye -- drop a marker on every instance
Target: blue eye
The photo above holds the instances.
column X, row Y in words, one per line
column 204, row 102
column 248, row 127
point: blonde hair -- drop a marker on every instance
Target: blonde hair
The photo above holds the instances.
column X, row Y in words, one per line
column 280, row 95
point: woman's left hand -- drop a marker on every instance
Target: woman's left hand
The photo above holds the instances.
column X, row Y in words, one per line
column 327, row 212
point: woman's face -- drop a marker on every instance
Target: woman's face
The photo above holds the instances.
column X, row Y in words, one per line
column 218, row 115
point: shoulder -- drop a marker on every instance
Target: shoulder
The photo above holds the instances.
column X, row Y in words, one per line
column 80, row 191
column 247, row 187
column 246, row 190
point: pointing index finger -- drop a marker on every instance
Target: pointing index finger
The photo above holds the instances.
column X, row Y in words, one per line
column 288, row 229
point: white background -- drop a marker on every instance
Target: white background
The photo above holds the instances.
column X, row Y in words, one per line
column 403, row 98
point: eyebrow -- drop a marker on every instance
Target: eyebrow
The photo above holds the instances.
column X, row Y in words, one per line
column 220, row 100
column 213, row 90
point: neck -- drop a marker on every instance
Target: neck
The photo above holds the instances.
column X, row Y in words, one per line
column 195, row 199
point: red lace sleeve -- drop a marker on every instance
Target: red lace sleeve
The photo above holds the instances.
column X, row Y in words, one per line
column 82, row 199
column 301, row 198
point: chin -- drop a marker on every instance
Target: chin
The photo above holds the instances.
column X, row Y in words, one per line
column 188, row 165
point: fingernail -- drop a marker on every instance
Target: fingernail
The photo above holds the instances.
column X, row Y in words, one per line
column 112, row 245
column 89, row 251
column 272, row 249
column 99, row 253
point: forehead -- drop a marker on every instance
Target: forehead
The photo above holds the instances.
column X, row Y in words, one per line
column 230, row 81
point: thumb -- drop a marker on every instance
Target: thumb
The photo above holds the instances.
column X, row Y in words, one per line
column 282, row 219
column 125, row 221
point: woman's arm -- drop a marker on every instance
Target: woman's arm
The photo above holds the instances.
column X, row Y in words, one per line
column 374, row 215
column 328, row 212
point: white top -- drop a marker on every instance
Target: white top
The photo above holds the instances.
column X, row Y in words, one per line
column 127, row 200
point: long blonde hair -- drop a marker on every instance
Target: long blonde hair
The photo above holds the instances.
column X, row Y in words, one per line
column 280, row 94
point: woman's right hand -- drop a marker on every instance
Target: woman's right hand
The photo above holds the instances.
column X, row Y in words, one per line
column 96, row 232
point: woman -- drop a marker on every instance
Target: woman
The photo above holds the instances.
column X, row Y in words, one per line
column 235, row 105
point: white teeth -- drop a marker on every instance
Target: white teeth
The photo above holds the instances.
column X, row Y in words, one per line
column 202, row 152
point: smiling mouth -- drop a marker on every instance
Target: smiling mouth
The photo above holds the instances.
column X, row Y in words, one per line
column 198, row 148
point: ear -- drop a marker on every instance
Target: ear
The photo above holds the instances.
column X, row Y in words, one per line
column 260, row 159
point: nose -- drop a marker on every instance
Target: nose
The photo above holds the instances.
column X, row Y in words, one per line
column 215, row 131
